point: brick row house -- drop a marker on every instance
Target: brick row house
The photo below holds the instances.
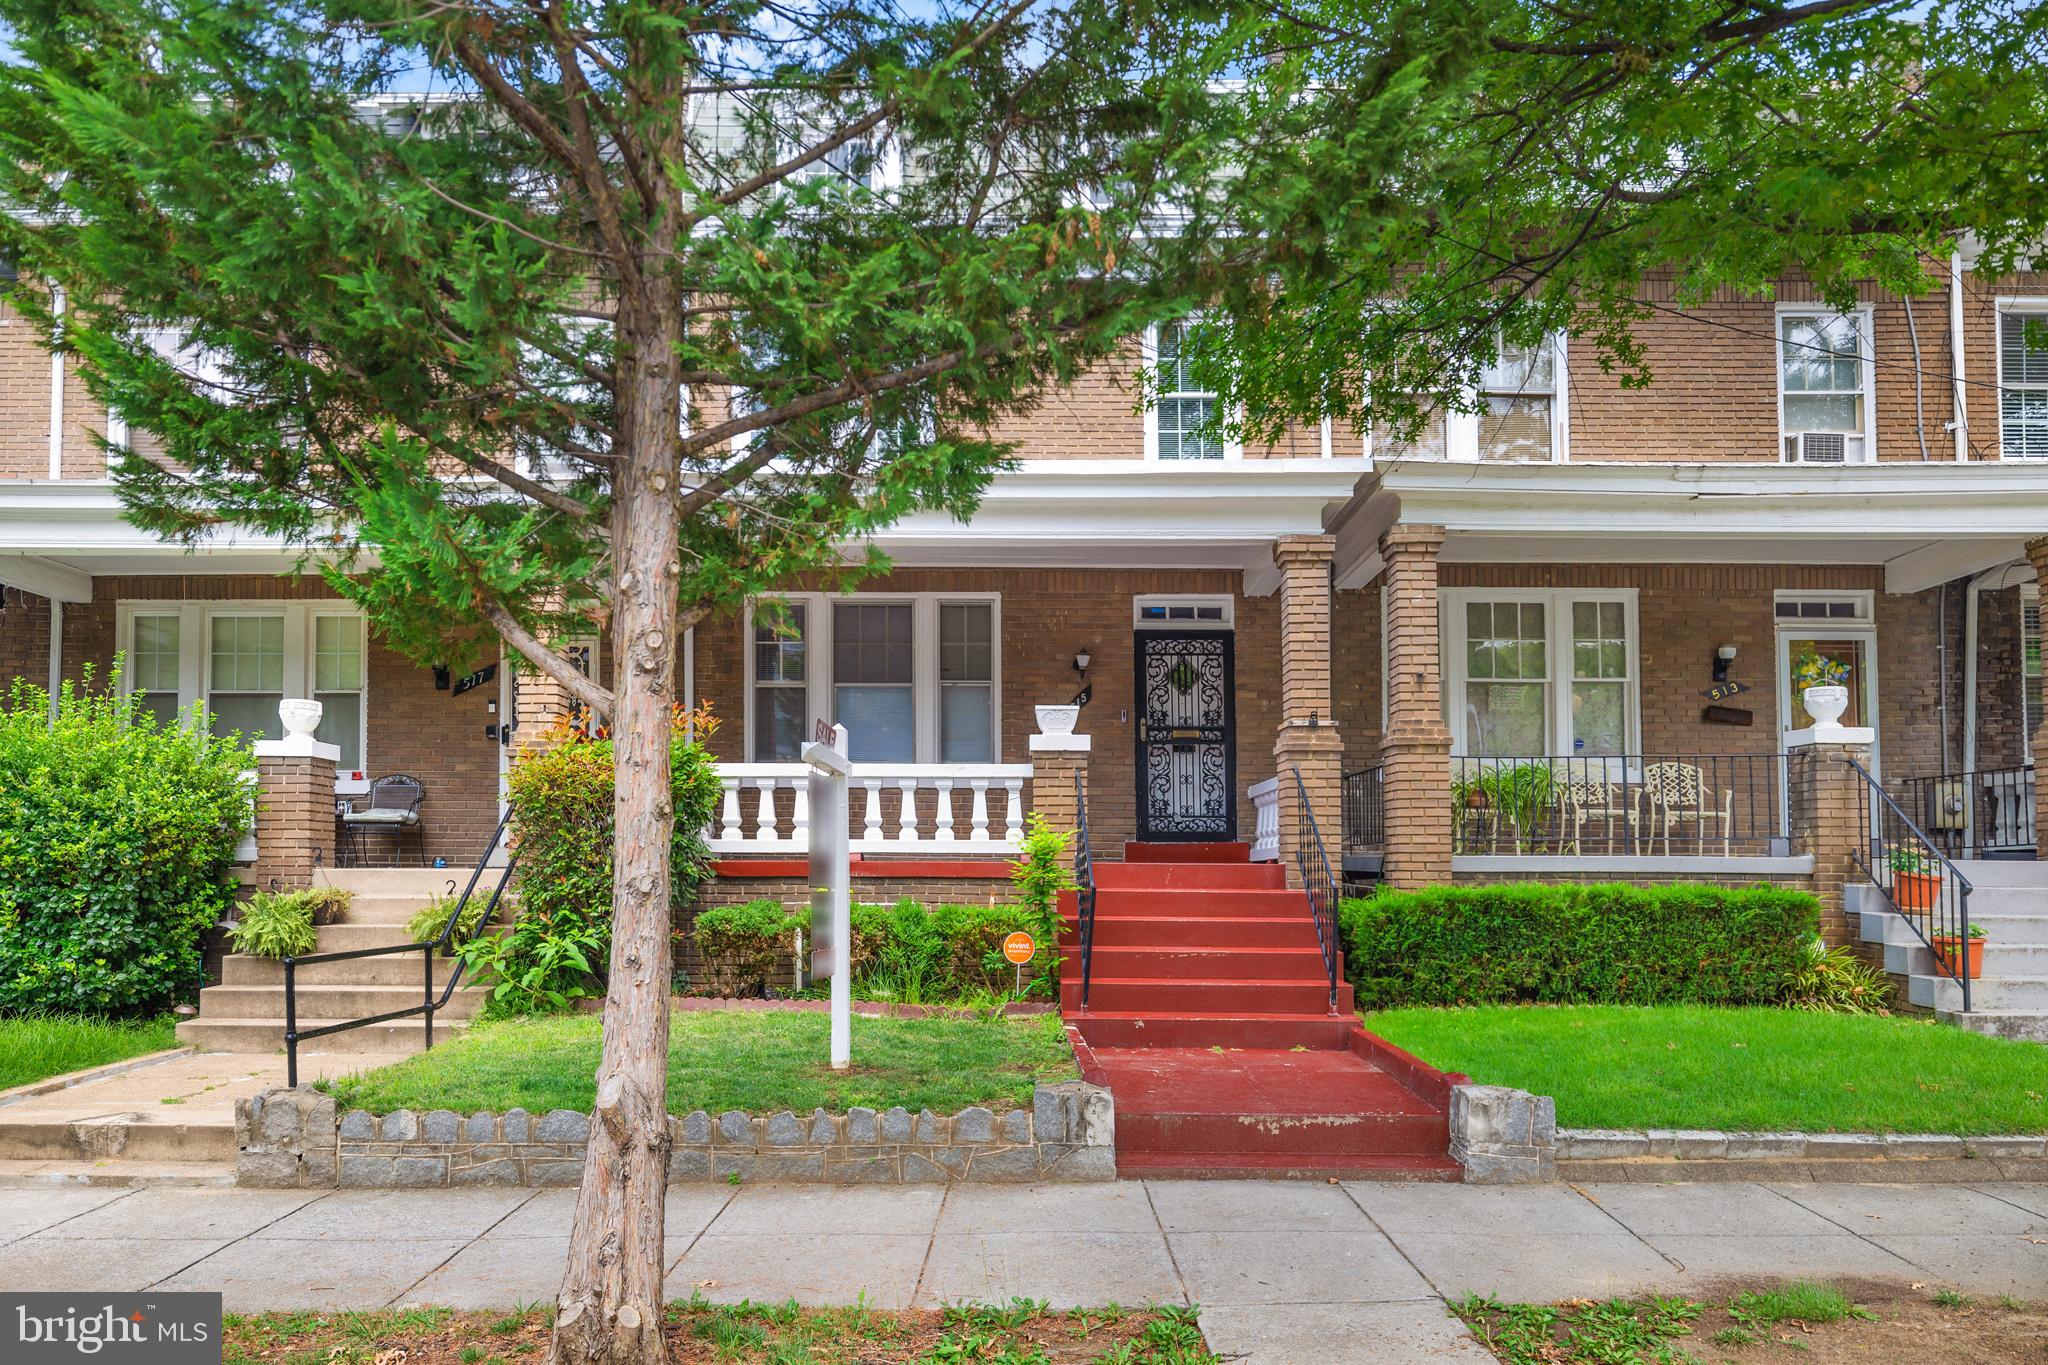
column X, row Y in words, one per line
column 1611, row 585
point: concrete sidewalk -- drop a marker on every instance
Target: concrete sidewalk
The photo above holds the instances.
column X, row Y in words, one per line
column 1285, row 1272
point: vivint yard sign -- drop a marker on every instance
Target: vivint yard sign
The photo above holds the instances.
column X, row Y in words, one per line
column 110, row 1329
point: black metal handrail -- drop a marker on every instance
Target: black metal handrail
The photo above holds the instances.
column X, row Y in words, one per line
column 1926, row 889
column 1577, row 805
column 1084, row 885
column 1365, row 811
column 1983, row 813
column 1316, row 880
column 294, row 1035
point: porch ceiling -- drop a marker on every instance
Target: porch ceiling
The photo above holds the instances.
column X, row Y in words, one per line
column 1925, row 524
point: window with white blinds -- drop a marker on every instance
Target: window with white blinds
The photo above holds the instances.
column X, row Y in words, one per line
column 2023, row 383
column 2030, row 670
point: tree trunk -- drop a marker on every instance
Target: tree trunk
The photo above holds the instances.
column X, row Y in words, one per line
column 610, row 1305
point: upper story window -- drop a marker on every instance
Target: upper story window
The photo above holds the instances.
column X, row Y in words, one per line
column 1824, row 364
column 1522, row 418
column 1178, row 424
column 2023, row 380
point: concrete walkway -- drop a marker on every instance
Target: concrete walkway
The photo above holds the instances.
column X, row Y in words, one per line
column 1285, row 1272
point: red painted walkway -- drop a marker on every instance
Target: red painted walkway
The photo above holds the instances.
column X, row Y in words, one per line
column 1209, row 1018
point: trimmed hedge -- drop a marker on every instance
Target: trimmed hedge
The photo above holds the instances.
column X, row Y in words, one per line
column 1569, row 944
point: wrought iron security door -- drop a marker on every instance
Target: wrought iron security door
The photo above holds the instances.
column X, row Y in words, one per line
column 1187, row 755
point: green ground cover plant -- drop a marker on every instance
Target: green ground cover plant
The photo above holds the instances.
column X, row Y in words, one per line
column 36, row 1046
column 1020, row 1332
column 1771, row 1070
column 117, row 841
column 754, row 1060
column 1469, row 945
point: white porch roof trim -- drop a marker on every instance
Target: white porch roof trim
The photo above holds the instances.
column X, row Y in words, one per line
column 1924, row 523
column 1083, row 514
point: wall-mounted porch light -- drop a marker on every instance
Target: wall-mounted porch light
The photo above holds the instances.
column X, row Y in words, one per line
column 1723, row 656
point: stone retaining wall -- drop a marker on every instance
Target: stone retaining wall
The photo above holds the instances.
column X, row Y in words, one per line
column 295, row 1139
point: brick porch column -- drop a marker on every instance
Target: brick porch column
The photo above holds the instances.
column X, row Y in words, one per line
column 1308, row 741
column 538, row 701
column 2037, row 551
column 1416, row 750
column 1824, row 807
column 1056, row 761
column 294, row 809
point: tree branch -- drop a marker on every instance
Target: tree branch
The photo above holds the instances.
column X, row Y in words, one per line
column 546, row 660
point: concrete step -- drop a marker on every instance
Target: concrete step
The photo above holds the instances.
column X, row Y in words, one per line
column 1105, row 1027
column 1138, row 1165
column 2022, row 1025
column 1135, row 852
column 2024, row 872
column 2028, row 993
column 35, row 1174
column 129, row 1136
column 1218, row 997
column 399, row 969
column 2009, row 900
column 321, row 1004
column 267, row 1035
column 392, row 910
column 420, row 883
column 1322, row 1135
column 1888, row 927
column 341, row 938
column 2000, row 959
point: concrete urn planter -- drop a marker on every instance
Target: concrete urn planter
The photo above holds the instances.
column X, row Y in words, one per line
column 1057, row 720
column 300, row 716
column 1825, row 704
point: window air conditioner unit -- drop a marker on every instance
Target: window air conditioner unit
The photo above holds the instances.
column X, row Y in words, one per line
column 1823, row 447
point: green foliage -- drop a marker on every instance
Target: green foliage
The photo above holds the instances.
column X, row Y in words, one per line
column 1610, row 1332
column 743, row 943
column 116, row 842
column 1912, row 859
column 1576, row 944
column 945, row 953
column 1520, row 793
column 1800, row 1301
column 39, row 1045
column 1039, row 875
column 1837, row 981
column 556, row 951
column 276, row 924
column 426, row 925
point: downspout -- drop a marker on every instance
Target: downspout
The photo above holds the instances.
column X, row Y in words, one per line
column 57, row 389
column 1941, row 674
column 1972, row 590
column 1919, row 399
column 1957, row 395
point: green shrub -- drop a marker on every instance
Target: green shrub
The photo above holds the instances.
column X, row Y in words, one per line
column 1044, row 870
column 427, row 924
column 920, row 954
column 276, row 924
column 1837, row 981
column 1470, row 945
column 557, row 950
column 116, row 846
column 742, row 944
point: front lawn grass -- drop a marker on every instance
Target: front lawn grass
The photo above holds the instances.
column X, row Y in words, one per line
column 36, row 1046
column 718, row 1060
column 1752, row 1070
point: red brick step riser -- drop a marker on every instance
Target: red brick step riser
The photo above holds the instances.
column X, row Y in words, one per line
column 1319, row 1031
column 1190, row 876
column 1204, row 853
column 1162, row 931
column 1210, row 997
column 1281, row 1134
column 1295, row 962
column 1138, row 1165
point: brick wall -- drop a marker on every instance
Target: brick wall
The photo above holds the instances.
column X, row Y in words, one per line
column 24, row 406
column 1047, row 615
column 2001, row 742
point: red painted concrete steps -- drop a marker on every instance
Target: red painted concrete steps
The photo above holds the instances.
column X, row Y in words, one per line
column 1210, row 1019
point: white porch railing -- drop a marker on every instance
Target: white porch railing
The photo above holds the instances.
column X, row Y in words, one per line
column 245, row 850
column 897, row 808
column 1265, row 820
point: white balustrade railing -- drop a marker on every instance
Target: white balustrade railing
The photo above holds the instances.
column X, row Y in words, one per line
column 897, row 808
column 1265, row 820
column 245, row 849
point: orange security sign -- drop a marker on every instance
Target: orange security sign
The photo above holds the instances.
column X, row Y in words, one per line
column 1019, row 947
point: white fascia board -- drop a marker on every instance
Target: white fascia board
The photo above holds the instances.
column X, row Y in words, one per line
column 83, row 519
column 58, row 582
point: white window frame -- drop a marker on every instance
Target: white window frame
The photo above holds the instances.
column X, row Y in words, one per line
column 1864, row 601
column 1864, row 314
column 2030, row 598
column 195, row 650
column 1462, row 426
column 2032, row 306
column 1557, row 604
column 1233, row 447
column 1170, row 600
column 171, row 343
column 924, row 662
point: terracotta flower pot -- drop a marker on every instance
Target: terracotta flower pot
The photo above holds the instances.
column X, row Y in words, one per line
column 1916, row 890
column 1947, row 946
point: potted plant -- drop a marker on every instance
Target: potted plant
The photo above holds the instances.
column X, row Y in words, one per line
column 1823, row 686
column 1916, row 879
column 1950, row 948
column 1468, row 792
column 1521, row 794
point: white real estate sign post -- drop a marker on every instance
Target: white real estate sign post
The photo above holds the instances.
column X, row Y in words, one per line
column 831, row 883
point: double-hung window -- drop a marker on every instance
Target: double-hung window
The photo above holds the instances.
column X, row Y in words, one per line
column 914, row 677
column 1521, row 417
column 1539, row 674
column 2023, row 379
column 340, row 682
column 1824, row 364
column 1182, row 421
column 245, row 673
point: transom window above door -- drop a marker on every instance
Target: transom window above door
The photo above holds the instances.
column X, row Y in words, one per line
column 1533, row 674
column 914, row 678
